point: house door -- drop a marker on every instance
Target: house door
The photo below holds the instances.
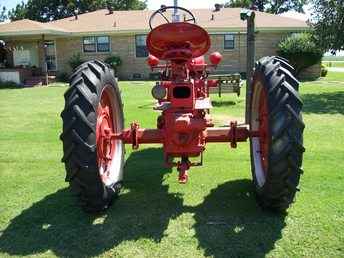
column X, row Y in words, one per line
column 51, row 55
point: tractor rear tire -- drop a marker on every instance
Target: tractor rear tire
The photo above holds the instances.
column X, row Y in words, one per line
column 88, row 86
column 276, row 155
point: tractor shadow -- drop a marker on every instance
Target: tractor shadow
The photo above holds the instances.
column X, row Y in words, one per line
column 56, row 223
column 324, row 103
column 224, row 103
column 227, row 224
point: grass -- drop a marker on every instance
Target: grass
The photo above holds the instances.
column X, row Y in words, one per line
column 215, row 214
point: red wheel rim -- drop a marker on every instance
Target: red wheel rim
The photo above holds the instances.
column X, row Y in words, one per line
column 104, row 129
column 263, row 130
column 259, row 121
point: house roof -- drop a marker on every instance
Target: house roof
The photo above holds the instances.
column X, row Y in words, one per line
column 28, row 27
column 227, row 19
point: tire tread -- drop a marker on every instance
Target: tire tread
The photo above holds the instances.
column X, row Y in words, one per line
column 81, row 101
column 280, row 187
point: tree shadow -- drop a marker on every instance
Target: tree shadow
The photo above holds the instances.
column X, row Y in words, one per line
column 55, row 223
column 324, row 103
column 229, row 223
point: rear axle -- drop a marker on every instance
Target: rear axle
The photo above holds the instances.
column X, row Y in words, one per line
column 233, row 134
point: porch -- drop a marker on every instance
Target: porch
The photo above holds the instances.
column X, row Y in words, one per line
column 28, row 52
column 27, row 77
column 27, row 62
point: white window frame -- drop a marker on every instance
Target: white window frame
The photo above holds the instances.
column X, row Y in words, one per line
column 103, row 43
column 138, row 35
column 95, row 44
column 224, row 41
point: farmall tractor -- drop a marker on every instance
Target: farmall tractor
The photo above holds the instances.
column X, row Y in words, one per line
column 93, row 125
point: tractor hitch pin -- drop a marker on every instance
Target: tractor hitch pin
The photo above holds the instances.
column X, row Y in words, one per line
column 183, row 167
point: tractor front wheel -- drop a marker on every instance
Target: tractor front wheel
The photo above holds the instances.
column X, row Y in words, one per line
column 276, row 155
column 92, row 112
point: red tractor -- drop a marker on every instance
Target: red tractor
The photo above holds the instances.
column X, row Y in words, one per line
column 94, row 135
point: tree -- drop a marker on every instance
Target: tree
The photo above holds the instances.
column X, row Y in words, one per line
column 127, row 4
column 2, row 13
column 18, row 13
column 270, row 6
column 48, row 10
column 238, row 3
column 328, row 22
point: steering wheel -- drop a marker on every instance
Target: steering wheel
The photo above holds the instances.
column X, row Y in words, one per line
column 163, row 9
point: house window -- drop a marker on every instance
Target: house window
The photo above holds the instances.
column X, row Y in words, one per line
column 228, row 41
column 96, row 44
column 103, row 44
column 89, row 44
column 141, row 48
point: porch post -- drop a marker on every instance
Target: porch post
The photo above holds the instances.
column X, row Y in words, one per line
column 251, row 53
column 249, row 16
column 44, row 63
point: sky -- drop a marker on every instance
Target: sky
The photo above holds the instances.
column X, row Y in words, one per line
column 189, row 4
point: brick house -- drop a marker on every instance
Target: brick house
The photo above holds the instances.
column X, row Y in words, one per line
column 102, row 33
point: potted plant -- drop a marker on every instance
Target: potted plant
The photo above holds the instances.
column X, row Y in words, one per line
column 114, row 62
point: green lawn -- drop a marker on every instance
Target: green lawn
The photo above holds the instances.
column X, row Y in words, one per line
column 215, row 214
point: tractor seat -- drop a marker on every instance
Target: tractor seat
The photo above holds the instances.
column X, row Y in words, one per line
column 185, row 40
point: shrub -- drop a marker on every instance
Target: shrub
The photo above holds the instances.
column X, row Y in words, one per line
column 62, row 77
column 323, row 71
column 114, row 62
column 9, row 85
column 75, row 60
column 301, row 51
